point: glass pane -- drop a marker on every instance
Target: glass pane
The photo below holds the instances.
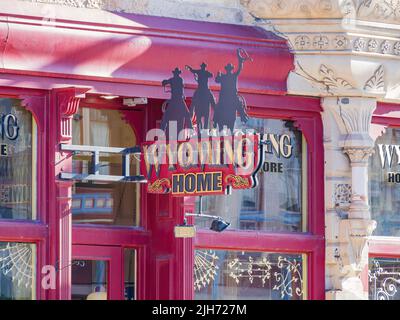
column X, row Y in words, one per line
column 17, row 271
column 16, row 174
column 384, row 278
column 276, row 204
column 89, row 280
column 130, row 274
column 239, row 275
column 115, row 203
column 384, row 194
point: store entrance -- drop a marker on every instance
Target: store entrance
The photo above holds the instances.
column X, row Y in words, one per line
column 96, row 273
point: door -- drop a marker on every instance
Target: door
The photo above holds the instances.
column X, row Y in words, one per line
column 96, row 273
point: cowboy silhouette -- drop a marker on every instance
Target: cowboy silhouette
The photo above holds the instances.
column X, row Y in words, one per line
column 230, row 101
column 175, row 108
column 203, row 97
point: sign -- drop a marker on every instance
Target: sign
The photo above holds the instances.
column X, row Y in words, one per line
column 8, row 131
column 205, row 166
column 387, row 154
column 211, row 157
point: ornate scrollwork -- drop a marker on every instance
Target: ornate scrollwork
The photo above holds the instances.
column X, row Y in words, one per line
column 159, row 186
column 289, row 276
column 252, row 269
column 280, row 274
column 16, row 262
column 385, row 284
column 376, row 82
column 327, row 79
column 237, row 182
column 205, row 268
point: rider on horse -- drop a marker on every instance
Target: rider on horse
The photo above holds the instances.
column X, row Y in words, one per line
column 230, row 101
column 203, row 97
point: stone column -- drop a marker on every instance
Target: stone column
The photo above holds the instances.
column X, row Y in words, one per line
column 349, row 247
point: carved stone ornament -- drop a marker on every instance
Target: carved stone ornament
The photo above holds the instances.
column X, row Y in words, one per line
column 370, row 10
column 359, row 231
column 376, row 83
column 327, row 79
column 359, row 156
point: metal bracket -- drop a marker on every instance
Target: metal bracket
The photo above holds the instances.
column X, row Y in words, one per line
column 94, row 174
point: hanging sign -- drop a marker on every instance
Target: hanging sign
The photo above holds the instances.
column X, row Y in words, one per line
column 202, row 166
column 211, row 156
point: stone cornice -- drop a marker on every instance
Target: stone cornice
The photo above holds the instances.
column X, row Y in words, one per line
column 387, row 11
column 341, row 47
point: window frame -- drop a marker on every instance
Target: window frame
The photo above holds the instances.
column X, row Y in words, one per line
column 312, row 242
column 32, row 231
column 384, row 246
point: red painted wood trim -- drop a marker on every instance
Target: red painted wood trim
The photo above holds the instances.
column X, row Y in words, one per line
column 22, row 231
column 129, row 49
column 111, row 236
column 115, row 270
column 384, row 247
column 311, row 243
column 258, row 241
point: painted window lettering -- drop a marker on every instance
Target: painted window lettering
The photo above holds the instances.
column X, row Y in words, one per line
column 387, row 155
column 9, row 126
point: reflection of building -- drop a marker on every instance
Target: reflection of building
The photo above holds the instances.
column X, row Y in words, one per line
column 93, row 78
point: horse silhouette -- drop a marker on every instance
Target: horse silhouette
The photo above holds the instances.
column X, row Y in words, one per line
column 202, row 98
column 175, row 108
column 230, row 101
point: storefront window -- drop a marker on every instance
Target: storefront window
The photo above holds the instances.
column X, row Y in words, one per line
column 17, row 174
column 115, row 203
column 240, row 275
column 130, row 273
column 384, row 188
column 277, row 204
column 89, row 280
column 17, row 271
column 384, row 278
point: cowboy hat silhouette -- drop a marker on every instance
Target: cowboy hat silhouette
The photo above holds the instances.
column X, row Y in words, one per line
column 176, row 71
column 229, row 67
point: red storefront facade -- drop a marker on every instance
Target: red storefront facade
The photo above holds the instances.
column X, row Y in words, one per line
column 64, row 70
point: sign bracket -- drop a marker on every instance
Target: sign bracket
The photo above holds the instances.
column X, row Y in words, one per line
column 94, row 174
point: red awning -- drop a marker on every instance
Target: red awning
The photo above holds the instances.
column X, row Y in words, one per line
column 101, row 49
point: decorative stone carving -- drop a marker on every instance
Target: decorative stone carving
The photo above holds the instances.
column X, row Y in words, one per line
column 320, row 42
column 360, row 44
column 396, row 48
column 372, row 45
column 386, row 47
column 354, row 117
column 359, row 156
column 359, row 231
column 327, row 80
column 376, row 83
column 372, row 10
column 302, row 42
column 342, row 195
column 340, row 42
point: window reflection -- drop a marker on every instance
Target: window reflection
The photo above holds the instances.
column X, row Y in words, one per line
column 385, row 195
column 89, row 280
column 17, row 271
column 276, row 204
column 17, row 141
column 240, row 275
column 104, row 202
column 384, row 278
column 130, row 273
